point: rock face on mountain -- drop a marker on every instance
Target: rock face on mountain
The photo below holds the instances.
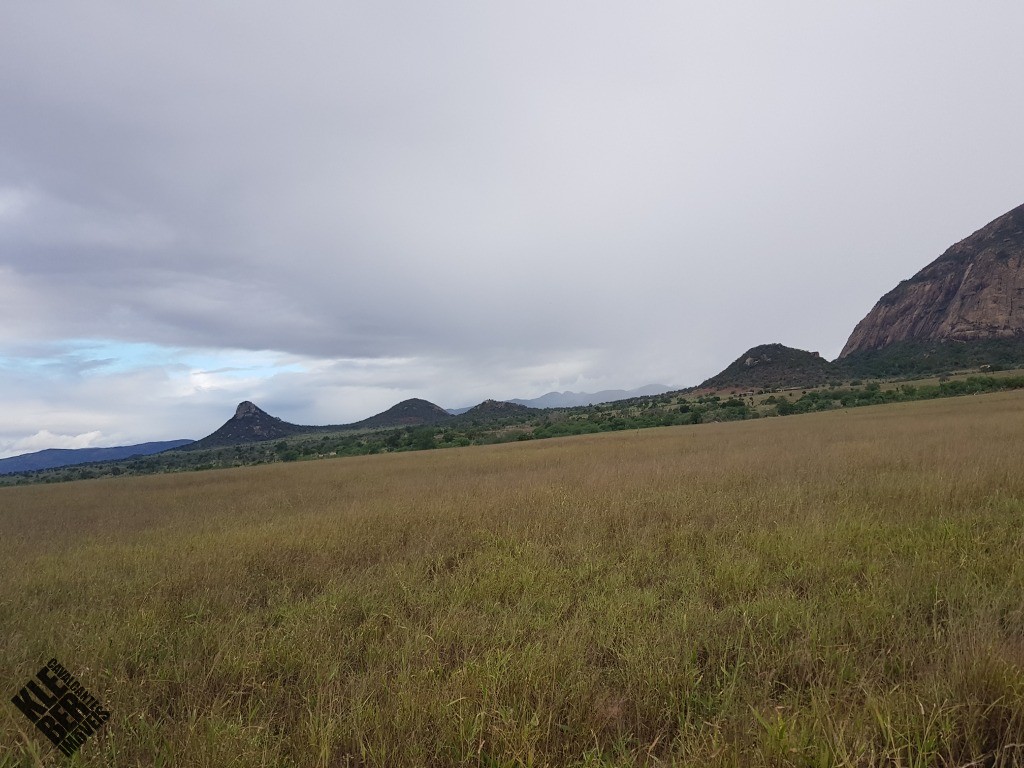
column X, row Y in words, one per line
column 771, row 366
column 972, row 292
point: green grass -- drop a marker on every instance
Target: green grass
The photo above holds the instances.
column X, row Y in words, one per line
column 842, row 588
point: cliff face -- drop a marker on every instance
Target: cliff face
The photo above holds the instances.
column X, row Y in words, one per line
column 974, row 291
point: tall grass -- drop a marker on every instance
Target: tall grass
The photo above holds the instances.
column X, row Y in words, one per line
column 843, row 588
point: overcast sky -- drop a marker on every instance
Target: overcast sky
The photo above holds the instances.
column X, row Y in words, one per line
column 328, row 207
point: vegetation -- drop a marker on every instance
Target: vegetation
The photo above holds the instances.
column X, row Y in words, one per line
column 874, row 394
column 496, row 423
column 907, row 358
column 844, row 588
column 492, row 423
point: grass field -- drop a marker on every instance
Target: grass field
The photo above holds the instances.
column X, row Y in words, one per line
column 843, row 588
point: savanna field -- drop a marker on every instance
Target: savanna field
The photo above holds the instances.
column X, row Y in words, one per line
column 835, row 589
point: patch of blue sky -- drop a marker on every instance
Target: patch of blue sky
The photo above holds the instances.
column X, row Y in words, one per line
column 108, row 357
column 240, row 363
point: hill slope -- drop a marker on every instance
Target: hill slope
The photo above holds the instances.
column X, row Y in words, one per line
column 67, row 457
column 408, row 413
column 771, row 366
column 497, row 410
column 972, row 292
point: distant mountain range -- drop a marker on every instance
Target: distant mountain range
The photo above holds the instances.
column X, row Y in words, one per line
column 66, row 457
column 251, row 423
column 574, row 399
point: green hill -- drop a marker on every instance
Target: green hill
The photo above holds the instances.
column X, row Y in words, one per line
column 773, row 366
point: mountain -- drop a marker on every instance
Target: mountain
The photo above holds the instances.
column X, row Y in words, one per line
column 496, row 410
column 408, row 413
column 572, row 399
column 66, row 457
column 249, row 424
column 252, row 424
column 974, row 292
column 773, row 366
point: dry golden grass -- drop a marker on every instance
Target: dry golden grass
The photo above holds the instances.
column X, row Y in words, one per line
column 844, row 588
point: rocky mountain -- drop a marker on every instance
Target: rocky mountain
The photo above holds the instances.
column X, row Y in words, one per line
column 249, row 424
column 771, row 366
column 67, row 457
column 973, row 292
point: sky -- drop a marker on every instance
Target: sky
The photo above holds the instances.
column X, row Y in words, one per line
column 329, row 207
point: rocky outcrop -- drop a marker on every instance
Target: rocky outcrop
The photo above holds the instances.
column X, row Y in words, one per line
column 249, row 410
column 973, row 292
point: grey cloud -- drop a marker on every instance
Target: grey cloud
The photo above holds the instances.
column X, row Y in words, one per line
column 644, row 192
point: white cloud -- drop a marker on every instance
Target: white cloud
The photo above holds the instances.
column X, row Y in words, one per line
column 46, row 439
